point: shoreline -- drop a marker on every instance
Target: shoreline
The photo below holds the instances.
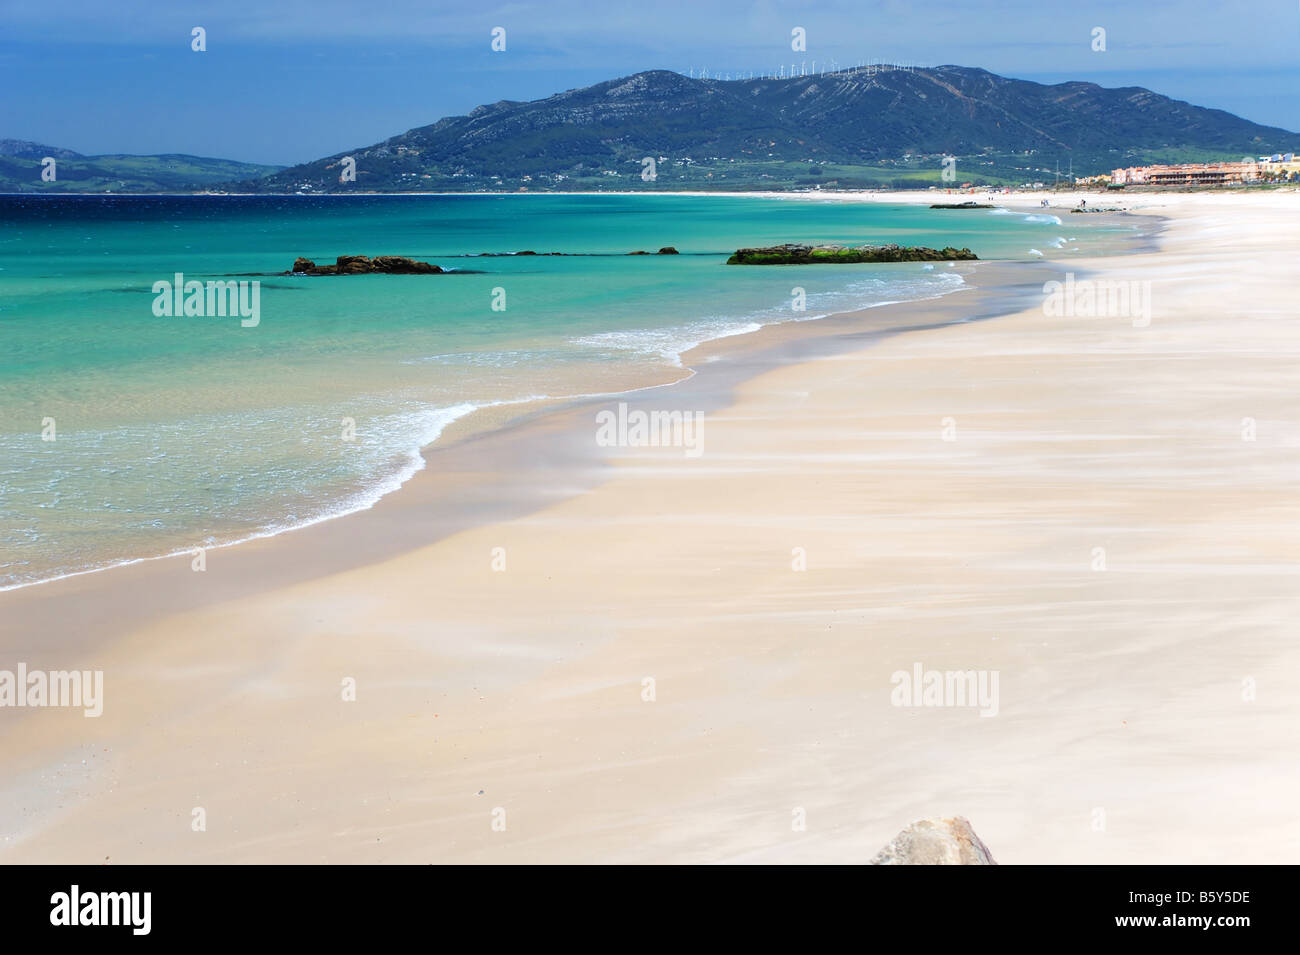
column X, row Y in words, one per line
column 474, row 420
column 462, row 433
column 469, row 422
column 472, row 482
column 524, row 689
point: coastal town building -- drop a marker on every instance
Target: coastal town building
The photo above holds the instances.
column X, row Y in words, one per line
column 1189, row 174
column 1280, row 166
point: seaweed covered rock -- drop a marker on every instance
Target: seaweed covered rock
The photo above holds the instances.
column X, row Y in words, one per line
column 364, row 265
column 792, row 254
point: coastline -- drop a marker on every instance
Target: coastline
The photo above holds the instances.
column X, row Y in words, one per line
column 485, row 415
column 516, row 436
column 407, row 591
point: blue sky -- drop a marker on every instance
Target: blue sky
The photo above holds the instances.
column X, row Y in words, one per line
column 285, row 82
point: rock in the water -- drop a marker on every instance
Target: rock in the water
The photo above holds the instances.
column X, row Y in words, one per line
column 793, row 254
column 352, row 264
column 960, row 205
column 936, row 842
column 667, row 250
column 364, row 265
column 401, row 265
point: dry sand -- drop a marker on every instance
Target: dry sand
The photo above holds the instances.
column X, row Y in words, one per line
column 1126, row 730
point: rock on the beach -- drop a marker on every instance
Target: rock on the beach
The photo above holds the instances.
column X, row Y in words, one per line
column 936, row 842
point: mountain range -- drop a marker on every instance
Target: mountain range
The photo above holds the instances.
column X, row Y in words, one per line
column 876, row 127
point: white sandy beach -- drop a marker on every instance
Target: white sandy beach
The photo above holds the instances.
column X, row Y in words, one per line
column 1147, row 711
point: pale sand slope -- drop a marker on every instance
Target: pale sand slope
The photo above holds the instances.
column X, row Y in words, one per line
column 1121, row 689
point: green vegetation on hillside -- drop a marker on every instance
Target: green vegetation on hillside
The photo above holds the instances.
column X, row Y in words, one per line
column 84, row 174
column 852, row 129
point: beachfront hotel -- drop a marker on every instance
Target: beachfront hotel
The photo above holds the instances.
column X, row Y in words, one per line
column 1188, row 174
column 1208, row 173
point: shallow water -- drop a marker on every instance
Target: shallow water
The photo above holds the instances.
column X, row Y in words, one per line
column 171, row 433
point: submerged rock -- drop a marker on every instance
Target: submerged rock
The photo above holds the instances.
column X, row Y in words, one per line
column 364, row 265
column 936, row 842
column 791, row 254
column 961, row 205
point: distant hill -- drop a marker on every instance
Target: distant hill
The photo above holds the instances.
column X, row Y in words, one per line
column 850, row 128
column 20, row 171
column 25, row 149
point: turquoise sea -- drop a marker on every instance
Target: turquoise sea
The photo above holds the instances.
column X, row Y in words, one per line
column 175, row 432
